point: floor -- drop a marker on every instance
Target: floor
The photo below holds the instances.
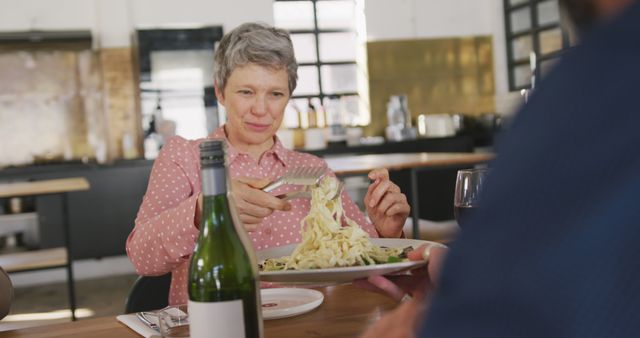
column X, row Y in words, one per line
column 46, row 304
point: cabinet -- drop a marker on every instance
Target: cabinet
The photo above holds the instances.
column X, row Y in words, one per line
column 100, row 219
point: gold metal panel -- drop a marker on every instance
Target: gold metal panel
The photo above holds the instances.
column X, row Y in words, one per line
column 439, row 76
column 41, row 99
column 121, row 98
column 66, row 104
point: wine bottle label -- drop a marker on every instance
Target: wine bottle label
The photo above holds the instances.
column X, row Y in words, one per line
column 216, row 319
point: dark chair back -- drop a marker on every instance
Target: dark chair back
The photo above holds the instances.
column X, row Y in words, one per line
column 148, row 293
column 6, row 293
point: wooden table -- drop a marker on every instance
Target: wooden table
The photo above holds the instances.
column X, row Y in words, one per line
column 49, row 258
column 414, row 162
column 345, row 312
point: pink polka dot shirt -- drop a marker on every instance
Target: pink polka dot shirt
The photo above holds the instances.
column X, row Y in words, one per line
column 165, row 234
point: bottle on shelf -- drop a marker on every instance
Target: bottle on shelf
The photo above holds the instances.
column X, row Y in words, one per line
column 312, row 115
column 337, row 133
column 152, row 138
column 224, row 296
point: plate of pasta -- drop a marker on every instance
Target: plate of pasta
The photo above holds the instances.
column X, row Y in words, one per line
column 338, row 274
column 333, row 247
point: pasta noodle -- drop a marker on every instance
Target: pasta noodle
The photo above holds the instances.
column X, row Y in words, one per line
column 326, row 242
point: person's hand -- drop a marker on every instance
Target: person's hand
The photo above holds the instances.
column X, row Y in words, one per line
column 402, row 322
column 386, row 205
column 418, row 283
column 253, row 204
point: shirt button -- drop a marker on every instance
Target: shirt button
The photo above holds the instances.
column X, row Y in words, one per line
column 267, row 231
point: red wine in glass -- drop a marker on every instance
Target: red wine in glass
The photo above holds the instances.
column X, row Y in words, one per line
column 461, row 213
column 469, row 182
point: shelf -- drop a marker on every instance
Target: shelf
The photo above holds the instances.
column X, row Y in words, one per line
column 33, row 260
column 14, row 223
column 55, row 186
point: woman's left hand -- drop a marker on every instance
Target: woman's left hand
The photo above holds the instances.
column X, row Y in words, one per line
column 386, row 205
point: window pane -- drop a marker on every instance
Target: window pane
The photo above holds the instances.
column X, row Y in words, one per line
column 521, row 20
column 339, row 78
column 307, row 81
column 305, row 47
column 181, row 69
column 337, row 46
column 522, row 47
column 184, row 116
column 548, row 12
column 336, row 14
column 516, row 2
column 522, row 76
column 293, row 15
column 550, row 41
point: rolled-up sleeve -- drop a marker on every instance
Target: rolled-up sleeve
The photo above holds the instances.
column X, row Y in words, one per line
column 164, row 233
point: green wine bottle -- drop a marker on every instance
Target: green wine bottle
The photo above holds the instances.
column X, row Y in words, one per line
column 224, row 296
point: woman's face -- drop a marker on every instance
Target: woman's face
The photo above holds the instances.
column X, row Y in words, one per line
column 255, row 98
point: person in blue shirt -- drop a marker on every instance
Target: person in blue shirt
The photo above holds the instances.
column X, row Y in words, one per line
column 554, row 251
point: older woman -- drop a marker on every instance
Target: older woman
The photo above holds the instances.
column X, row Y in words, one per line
column 255, row 74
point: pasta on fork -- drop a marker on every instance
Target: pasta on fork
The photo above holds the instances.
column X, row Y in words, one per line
column 327, row 242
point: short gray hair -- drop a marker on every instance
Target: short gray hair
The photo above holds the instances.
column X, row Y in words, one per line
column 255, row 43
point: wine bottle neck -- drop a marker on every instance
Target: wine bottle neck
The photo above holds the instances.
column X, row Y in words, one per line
column 214, row 181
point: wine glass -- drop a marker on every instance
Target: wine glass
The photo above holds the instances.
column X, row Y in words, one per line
column 469, row 183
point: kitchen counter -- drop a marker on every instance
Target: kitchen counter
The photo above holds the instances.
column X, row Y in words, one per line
column 7, row 173
column 453, row 144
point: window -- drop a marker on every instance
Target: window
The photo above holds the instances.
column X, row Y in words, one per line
column 176, row 86
column 326, row 41
column 535, row 37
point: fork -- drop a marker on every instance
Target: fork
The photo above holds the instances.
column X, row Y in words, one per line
column 306, row 193
column 143, row 318
column 298, row 176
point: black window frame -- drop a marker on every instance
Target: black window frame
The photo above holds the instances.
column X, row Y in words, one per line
column 316, row 31
column 534, row 31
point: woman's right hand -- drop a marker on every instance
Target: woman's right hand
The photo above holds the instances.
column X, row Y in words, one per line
column 253, row 204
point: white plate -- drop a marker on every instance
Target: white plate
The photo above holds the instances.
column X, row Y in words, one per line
column 338, row 275
column 288, row 302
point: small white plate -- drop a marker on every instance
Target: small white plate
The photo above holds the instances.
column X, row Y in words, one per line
column 288, row 302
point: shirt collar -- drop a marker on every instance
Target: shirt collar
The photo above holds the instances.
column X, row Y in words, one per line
column 278, row 149
column 281, row 152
